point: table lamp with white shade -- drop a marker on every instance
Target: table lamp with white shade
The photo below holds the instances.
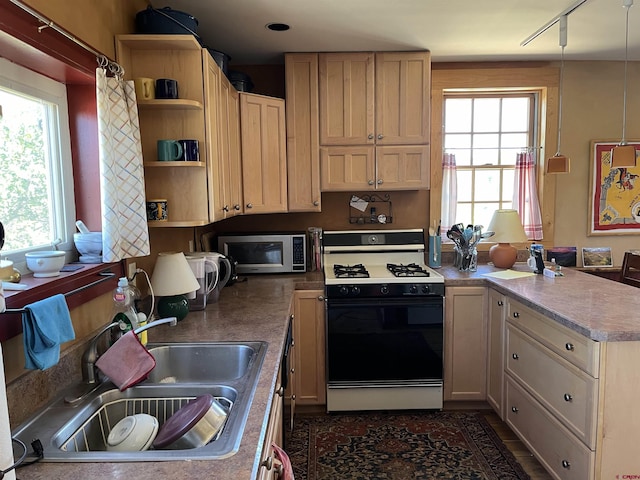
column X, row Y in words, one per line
column 173, row 278
column 508, row 229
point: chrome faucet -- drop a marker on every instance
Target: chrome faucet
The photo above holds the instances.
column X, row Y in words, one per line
column 89, row 370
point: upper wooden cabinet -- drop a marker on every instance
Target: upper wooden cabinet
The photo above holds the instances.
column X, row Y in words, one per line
column 374, row 99
column 178, row 57
column 303, row 148
column 264, row 161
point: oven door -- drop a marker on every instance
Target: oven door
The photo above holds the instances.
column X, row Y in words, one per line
column 385, row 341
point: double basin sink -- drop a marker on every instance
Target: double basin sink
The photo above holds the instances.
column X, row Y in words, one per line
column 77, row 431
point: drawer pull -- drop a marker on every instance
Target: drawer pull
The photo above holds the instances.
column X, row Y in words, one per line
column 267, row 463
column 516, row 315
column 569, row 346
column 280, row 391
column 500, row 303
column 514, row 409
column 515, row 356
column 566, row 464
column 568, row 397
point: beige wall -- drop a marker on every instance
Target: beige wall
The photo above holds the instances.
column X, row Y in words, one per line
column 95, row 22
column 592, row 99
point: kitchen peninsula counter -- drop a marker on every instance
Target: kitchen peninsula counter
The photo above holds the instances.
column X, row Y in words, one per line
column 598, row 308
column 255, row 309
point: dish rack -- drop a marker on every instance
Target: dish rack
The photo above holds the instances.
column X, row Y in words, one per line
column 93, row 433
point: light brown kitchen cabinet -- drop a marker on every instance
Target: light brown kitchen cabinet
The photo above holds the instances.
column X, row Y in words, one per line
column 223, row 129
column 310, row 344
column 270, row 469
column 381, row 101
column 264, row 161
column 303, row 148
column 497, row 309
column 178, row 57
column 465, row 343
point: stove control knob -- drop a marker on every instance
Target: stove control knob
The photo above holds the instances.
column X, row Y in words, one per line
column 413, row 289
column 425, row 289
column 344, row 291
column 355, row 290
column 384, row 289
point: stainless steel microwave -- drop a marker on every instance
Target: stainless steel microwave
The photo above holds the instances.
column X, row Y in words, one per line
column 266, row 252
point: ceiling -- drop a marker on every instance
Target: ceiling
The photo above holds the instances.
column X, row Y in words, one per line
column 453, row 30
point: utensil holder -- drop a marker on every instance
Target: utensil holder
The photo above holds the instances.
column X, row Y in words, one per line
column 466, row 258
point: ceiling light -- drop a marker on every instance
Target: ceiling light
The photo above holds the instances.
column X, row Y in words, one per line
column 624, row 155
column 278, row 27
column 560, row 163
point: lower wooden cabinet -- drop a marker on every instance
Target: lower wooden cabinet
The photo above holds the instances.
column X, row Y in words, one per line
column 497, row 309
column 309, row 351
column 269, row 466
column 465, row 343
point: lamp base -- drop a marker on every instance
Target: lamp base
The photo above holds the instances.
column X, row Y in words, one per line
column 503, row 255
column 174, row 306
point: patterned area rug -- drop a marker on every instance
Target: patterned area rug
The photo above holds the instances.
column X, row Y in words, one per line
column 426, row 445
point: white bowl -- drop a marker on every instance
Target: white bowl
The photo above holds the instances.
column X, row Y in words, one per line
column 45, row 263
column 134, row 433
column 88, row 243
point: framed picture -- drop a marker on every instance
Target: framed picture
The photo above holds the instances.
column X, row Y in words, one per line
column 614, row 207
column 597, row 257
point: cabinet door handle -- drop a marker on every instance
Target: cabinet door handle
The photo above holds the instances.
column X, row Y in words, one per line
column 316, row 203
column 568, row 397
column 516, row 315
column 566, row 464
column 280, row 391
column 249, row 205
column 569, row 346
column 370, row 182
column 267, row 463
column 500, row 303
column 225, row 208
column 514, row 409
column 380, row 136
column 515, row 356
column 236, row 207
column 370, row 136
column 320, row 298
column 380, row 182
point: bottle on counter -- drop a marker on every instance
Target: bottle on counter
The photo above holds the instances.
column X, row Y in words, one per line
column 124, row 310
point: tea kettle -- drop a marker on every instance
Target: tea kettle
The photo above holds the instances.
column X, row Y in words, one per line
column 233, row 276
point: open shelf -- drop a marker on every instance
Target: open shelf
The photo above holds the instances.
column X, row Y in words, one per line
column 171, row 164
column 171, row 103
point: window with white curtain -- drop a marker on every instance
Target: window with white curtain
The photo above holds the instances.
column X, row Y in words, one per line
column 36, row 181
column 485, row 130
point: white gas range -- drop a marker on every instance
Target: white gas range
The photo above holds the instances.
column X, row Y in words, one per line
column 385, row 317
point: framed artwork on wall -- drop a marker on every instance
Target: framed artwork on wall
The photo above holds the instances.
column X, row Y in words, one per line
column 597, row 257
column 614, row 207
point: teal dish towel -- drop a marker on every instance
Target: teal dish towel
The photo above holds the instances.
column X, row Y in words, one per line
column 45, row 325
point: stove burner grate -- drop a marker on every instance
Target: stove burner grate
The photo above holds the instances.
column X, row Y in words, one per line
column 411, row 270
column 350, row 271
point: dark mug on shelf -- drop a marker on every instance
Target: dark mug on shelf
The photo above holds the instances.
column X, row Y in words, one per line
column 190, row 150
column 157, row 210
column 166, row 88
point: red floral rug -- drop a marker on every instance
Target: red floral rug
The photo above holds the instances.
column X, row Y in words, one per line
column 426, row 445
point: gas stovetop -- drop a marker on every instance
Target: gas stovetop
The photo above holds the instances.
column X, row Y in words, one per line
column 387, row 261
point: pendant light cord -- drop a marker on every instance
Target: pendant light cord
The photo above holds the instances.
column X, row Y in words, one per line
column 560, row 99
column 627, row 5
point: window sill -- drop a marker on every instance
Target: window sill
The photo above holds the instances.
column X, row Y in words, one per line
column 79, row 287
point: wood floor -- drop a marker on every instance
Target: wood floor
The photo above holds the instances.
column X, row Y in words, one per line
column 517, row 448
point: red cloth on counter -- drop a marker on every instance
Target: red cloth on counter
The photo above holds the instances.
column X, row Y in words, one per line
column 126, row 362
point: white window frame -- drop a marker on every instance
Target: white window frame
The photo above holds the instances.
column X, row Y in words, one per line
column 20, row 79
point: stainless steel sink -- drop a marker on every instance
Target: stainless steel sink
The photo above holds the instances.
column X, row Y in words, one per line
column 200, row 363
column 77, row 432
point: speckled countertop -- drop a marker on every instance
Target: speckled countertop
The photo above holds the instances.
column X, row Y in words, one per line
column 597, row 308
column 258, row 310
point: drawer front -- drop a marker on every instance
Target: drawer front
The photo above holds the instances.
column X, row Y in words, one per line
column 554, row 446
column 577, row 349
column 561, row 387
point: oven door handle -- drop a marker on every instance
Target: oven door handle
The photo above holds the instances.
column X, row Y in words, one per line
column 435, row 300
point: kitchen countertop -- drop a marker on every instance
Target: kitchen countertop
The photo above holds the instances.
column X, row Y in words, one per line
column 258, row 310
column 598, row 308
